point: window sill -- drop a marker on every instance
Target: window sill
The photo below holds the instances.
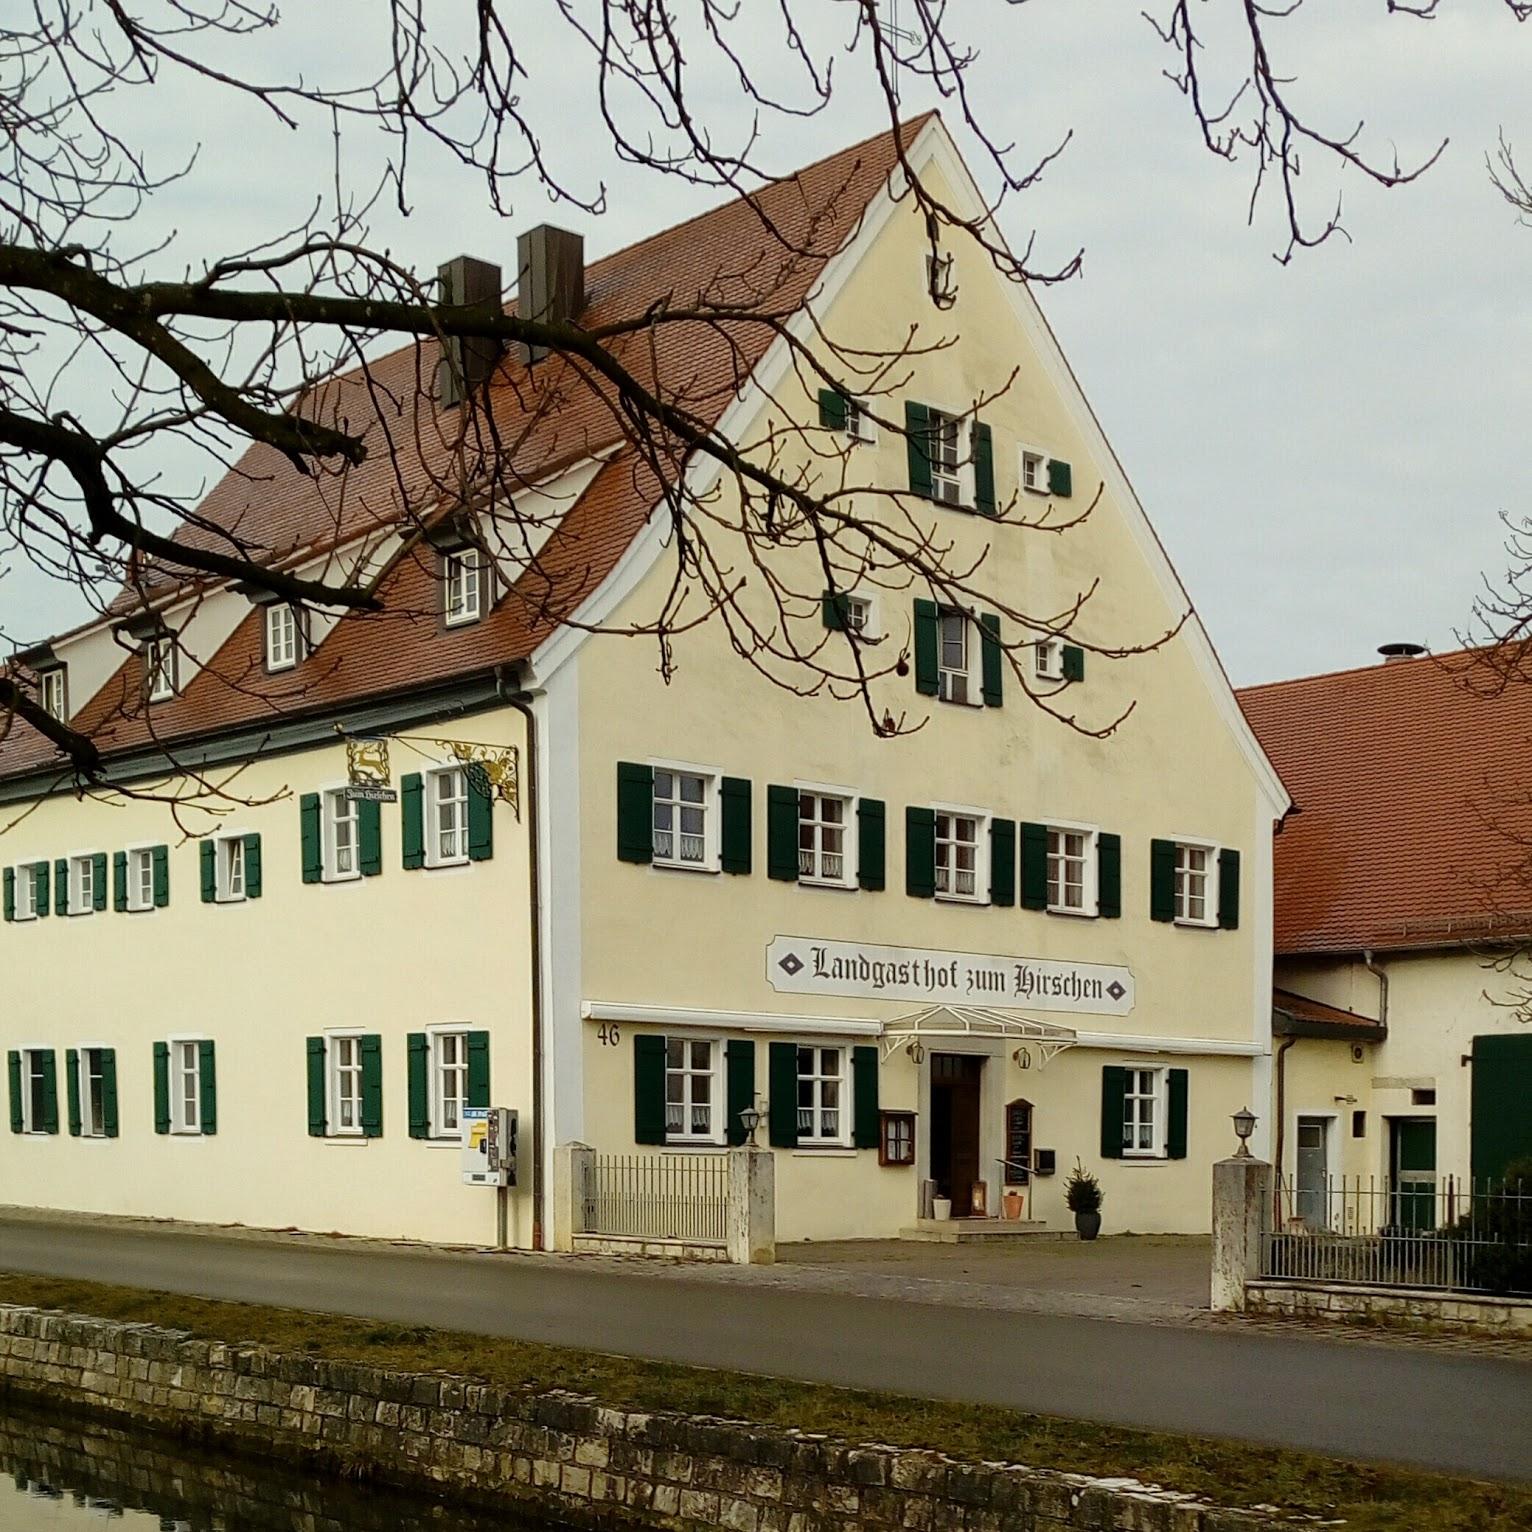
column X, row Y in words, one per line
column 446, row 864
column 660, row 866
column 435, row 1142
column 347, row 1140
column 839, row 885
column 972, row 899
column 330, row 879
column 462, row 622
column 1194, row 925
column 1157, row 1158
column 1073, row 914
column 231, row 898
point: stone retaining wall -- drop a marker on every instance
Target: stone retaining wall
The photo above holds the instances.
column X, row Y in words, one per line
column 572, row 1457
column 1462, row 1311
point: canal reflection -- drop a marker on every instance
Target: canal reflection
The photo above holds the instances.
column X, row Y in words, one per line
column 63, row 1475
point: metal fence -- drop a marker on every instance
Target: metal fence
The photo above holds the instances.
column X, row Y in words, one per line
column 1416, row 1231
column 658, row 1196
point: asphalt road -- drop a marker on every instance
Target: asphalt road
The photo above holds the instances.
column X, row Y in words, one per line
column 1452, row 1412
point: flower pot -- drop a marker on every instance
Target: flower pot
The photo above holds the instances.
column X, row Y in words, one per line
column 941, row 1208
column 1087, row 1225
column 1012, row 1204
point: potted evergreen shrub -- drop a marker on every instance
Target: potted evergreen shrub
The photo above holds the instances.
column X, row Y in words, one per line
column 1082, row 1196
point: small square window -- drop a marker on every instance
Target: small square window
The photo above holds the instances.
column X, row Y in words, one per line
column 447, row 804
column 693, row 1112
column 1071, row 871
column 958, row 855
column 229, row 868
column 342, row 854
column 160, row 667
column 141, row 878
column 896, row 1138
column 284, row 637
column 858, row 614
column 860, row 426
column 1048, row 657
column 823, row 847
column 53, row 693
column 1196, row 885
column 823, row 1117
column 683, row 811
column 1143, row 1113
column 186, row 1087
column 463, row 586
column 1034, row 471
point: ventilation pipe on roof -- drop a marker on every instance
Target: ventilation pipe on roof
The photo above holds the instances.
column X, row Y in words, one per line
column 1394, row 652
column 467, row 360
column 550, row 278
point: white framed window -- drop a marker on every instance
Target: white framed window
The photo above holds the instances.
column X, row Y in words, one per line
column 185, row 1086
column 1071, row 870
column 948, row 465
column 462, row 586
column 1048, row 659
column 160, row 667
column 449, row 1081
column 36, row 1071
column 53, row 692
column 685, row 816
column 824, row 848
column 229, row 869
column 858, row 614
column 342, row 853
column 447, row 817
column 824, row 1115
column 693, row 1113
column 25, row 879
column 959, row 855
column 92, row 1086
column 284, row 642
column 1034, row 471
column 343, row 1063
column 1143, row 1113
column 82, row 884
column 956, row 650
column 1196, row 884
column 141, row 878
column 860, row 426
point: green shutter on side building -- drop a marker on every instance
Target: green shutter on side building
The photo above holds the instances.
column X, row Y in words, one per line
column 418, row 1053
column 371, row 1050
column 60, row 887
column 369, row 838
column 635, row 812
column 832, row 409
column 992, row 657
column 478, row 1069
column 207, row 1074
column 98, row 881
column 782, row 1081
column 253, row 866
column 72, row 1089
column 739, row 1092
column 864, row 1098
column 648, row 1089
column 412, row 820
column 119, row 880
column 1060, row 478
column 314, row 1051
column 737, row 829
column 481, row 816
column 1072, row 662
column 41, row 902
column 1178, row 1090
column 162, row 1087
column 917, row 438
column 109, row 1092
column 1114, row 1091
column 1002, row 861
column 207, row 855
column 1162, row 880
column 871, row 837
column 160, row 858
column 920, row 853
column 927, row 680
column 1228, row 889
column 309, row 840
column 1109, row 875
column 983, row 469
column 50, row 1122
column 1034, row 866
column 13, row 1077
column 10, row 893
column 782, row 833
column 1501, row 1122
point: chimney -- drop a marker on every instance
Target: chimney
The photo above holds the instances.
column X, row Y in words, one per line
column 550, row 283
column 1393, row 653
column 467, row 361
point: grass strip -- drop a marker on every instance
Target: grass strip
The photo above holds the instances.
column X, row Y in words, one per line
column 1368, row 1498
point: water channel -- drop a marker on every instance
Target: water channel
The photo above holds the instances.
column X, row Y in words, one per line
column 64, row 1474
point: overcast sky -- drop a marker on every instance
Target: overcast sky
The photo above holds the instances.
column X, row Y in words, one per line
column 1324, row 448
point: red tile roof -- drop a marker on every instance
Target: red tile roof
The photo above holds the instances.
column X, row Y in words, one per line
column 766, row 252
column 1409, row 781
column 1315, row 1016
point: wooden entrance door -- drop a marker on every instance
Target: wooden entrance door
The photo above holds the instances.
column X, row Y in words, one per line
column 955, row 1095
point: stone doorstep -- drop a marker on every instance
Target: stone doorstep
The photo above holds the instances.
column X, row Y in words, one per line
column 973, row 1231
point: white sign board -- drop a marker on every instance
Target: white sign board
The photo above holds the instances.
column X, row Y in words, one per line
column 810, row 965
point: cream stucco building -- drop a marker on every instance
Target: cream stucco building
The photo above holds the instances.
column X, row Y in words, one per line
column 632, row 905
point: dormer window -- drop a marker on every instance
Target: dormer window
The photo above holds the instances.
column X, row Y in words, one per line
column 284, row 637
column 160, row 667
column 53, row 692
column 462, row 586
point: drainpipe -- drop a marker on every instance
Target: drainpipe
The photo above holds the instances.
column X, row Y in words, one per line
column 1381, row 976
column 521, row 701
column 1276, row 1182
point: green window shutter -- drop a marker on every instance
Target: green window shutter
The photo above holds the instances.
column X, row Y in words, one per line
column 119, row 880
column 371, row 1050
column 739, row 1092
column 419, row 1054
column 1109, row 876
column 98, row 881
column 871, row 837
column 1501, row 1125
column 1060, row 479
column 412, row 819
column 1114, row 1090
column 207, row 1074
column 41, row 902
column 648, row 1089
column 1175, row 1124
column 782, row 1120
column 1002, row 861
column 920, row 853
column 10, row 893
column 369, row 835
column 1228, row 889
column 864, row 1098
column 318, row 1097
column 832, row 409
column 1072, row 662
column 983, row 469
column 161, row 860
column 162, row 1087
column 253, row 865
column 207, row 855
column 72, row 1089
column 13, row 1076
column 481, row 815
column 782, row 833
column 635, row 812
column 309, row 838
column 1162, row 880
column 478, row 1069
column 993, row 658
column 917, row 440
column 1034, row 867
column 737, row 829
column 60, row 887
column 926, row 680
column 832, row 607
column 109, row 1091
column 50, row 1122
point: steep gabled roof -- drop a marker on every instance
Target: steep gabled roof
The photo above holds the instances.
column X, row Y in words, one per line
column 1410, row 781
column 764, row 252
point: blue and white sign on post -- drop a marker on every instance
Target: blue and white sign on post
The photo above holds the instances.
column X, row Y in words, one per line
column 489, row 1146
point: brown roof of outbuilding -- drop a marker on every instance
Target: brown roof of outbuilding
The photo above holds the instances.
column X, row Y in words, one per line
column 1295, row 1015
column 766, row 251
column 1412, row 819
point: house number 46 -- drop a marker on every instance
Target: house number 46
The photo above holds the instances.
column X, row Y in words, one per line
column 608, row 1035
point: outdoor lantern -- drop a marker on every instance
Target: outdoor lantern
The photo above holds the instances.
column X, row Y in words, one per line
column 1244, row 1126
column 750, row 1120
